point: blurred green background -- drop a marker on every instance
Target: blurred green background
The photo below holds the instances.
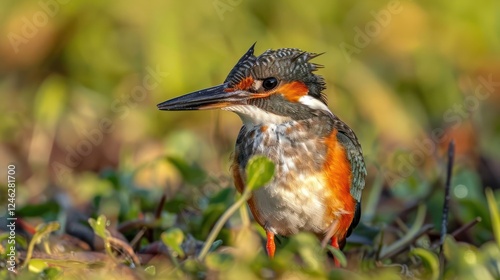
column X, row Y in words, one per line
column 80, row 80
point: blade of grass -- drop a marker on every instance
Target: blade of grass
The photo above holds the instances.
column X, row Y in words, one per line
column 373, row 199
column 495, row 217
column 430, row 259
column 42, row 231
column 414, row 230
column 220, row 223
column 245, row 219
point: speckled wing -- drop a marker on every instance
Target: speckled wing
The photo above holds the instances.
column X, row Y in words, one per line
column 350, row 142
column 355, row 155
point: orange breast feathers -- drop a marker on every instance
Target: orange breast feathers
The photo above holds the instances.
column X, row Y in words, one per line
column 238, row 181
column 337, row 172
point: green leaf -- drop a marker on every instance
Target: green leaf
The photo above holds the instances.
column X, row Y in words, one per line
column 450, row 248
column 495, row 217
column 173, row 239
column 215, row 245
column 260, row 170
column 99, row 226
column 191, row 173
column 430, row 260
column 176, row 204
column 52, row 273
column 224, row 196
column 167, row 220
column 338, row 254
column 47, row 209
column 37, row 266
column 150, row 270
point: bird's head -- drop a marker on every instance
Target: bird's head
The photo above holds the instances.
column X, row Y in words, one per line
column 277, row 86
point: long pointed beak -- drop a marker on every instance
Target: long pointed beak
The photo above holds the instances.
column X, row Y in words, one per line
column 210, row 98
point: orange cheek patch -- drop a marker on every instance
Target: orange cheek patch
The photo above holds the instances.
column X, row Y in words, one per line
column 243, row 85
column 293, row 91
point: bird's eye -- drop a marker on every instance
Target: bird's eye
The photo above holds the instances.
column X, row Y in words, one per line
column 269, row 83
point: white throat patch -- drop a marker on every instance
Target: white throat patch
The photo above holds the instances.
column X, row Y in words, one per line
column 253, row 115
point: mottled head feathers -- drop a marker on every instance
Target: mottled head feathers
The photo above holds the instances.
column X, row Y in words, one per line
column 286, row 65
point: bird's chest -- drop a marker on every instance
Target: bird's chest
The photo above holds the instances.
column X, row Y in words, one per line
column 295, row 200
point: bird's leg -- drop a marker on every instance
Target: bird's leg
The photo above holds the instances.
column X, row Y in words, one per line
column 270, row 246
column 335, row 244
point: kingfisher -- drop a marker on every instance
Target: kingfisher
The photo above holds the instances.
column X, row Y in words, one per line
column 319, row 166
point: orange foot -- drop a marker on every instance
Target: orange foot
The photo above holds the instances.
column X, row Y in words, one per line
column 270, row 246
column 335, row 244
